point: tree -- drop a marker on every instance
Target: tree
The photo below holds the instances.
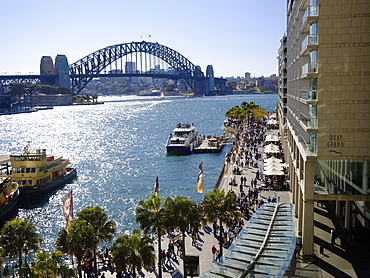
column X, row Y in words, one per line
column 51, row 264
column 246, row 111
column 103, row 229
column 219, row 205
column 231, row 84
column 19, row 236
column 182, row 214
column 17, row 89
column 150, row 216
column 79, row 238
column 131, row 253
column 87, row 98
column 95, row 98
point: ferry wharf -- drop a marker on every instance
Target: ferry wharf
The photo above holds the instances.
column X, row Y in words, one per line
column 327, row 263
column 211, row 145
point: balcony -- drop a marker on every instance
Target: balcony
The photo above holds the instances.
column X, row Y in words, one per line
column 309, row 95
column 304, row 4
column 310, row 148
column 309, row 42
column 310, row 14
column 312, row 68
column 308, row 70
column 308, row 122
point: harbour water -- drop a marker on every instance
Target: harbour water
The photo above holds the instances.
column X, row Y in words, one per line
column 118, row 149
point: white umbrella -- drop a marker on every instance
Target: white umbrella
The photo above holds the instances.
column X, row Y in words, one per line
column 272, row 138
column 271, row 149
column 273, row 172
column 272, row 165
column 272, row 158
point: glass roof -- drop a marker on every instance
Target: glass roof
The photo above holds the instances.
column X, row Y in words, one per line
column 263, row 248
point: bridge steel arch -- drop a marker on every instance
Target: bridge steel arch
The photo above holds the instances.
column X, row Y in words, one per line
column 90, row 66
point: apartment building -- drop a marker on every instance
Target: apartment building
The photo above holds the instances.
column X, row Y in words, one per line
column 323, row 108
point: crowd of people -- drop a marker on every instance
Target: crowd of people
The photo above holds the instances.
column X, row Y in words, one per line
column 245, row 158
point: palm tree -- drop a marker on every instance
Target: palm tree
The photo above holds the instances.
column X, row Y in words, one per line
column 219, row 205
column 103, row 228
column 95, row 98
column 182, row 214
column 133, row 252
column 18, row 236
column 43, row 265
column 50, row 265
column 79, row 238
column 150, row 216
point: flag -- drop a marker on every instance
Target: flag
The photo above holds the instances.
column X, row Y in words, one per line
column 68, row 209
column 200, row 179
column 226, row 167
column 156, row 186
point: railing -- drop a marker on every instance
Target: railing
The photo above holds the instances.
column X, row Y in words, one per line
column 309, row 68
column 310, row 148
column 309, row 122
column 309, row 40
column 310, row 11
column 313, row 67
column 309, row 95
column 305, row 69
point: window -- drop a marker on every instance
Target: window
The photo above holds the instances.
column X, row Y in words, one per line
column 313, row 83
column 313, row 61
column 313, row 34
column 312, row 145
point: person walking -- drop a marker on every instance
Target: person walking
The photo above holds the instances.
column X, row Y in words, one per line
column 6, row 271
column 214, row 251
column 333, row 236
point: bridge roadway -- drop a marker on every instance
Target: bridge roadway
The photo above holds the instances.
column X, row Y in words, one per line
column 33, row 78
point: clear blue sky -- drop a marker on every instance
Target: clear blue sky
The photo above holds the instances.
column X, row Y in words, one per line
column 235, row 36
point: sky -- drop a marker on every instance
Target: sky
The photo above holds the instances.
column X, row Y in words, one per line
column 234, row 36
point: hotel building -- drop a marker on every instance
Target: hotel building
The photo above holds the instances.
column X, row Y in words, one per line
column 323, row 109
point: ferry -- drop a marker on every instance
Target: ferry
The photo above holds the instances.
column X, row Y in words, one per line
column 36, row 172
column 183, row 140
column 9, row 192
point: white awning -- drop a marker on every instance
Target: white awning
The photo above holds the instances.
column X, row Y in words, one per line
column 273, row 172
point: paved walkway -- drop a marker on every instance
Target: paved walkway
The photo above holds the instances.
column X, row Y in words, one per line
column 328, row 263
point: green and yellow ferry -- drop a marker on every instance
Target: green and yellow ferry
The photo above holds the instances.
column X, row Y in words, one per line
column 38, row 172
column 8, row 196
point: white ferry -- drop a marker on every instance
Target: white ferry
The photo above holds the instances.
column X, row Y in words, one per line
column 183, row 140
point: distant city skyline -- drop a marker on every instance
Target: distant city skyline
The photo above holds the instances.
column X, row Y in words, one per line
column 235, row 37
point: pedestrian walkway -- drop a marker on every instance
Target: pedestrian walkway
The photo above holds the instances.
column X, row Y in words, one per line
column 329, row 262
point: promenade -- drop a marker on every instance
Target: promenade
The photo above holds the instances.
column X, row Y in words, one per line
column 328, row 262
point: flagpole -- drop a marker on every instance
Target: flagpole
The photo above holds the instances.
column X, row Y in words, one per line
column 203, row 182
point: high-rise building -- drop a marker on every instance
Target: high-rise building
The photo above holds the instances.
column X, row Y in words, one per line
column 130, row 67
column 324, row 73
column 247, row 76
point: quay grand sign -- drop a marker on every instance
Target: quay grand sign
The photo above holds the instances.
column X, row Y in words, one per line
column 335, row 143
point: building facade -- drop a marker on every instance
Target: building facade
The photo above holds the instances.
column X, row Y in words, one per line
column 324, row 92
column 51, row 100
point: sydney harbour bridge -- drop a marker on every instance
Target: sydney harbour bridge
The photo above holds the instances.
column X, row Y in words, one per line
column 112, row 61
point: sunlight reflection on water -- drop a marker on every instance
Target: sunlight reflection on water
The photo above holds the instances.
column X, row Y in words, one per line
column 118, row 149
